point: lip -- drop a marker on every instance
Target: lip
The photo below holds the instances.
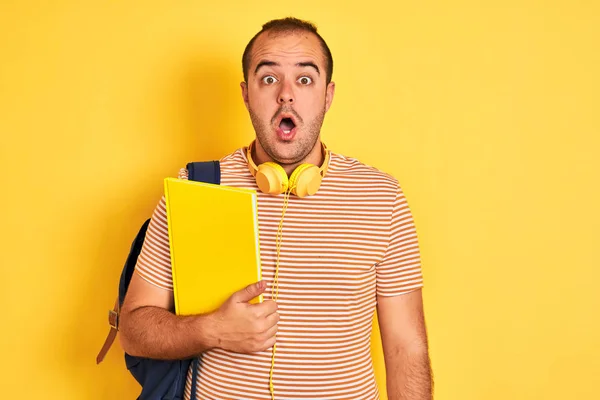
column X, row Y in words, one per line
column 283, row 116
column 286, row 137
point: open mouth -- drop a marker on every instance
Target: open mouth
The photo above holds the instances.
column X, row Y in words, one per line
column 286, row 125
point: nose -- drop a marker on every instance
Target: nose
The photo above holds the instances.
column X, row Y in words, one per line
column 286, row 95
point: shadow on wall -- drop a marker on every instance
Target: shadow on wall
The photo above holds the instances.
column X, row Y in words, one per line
column 200, row 101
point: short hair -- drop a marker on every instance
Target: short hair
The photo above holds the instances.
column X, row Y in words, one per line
column 285, row 26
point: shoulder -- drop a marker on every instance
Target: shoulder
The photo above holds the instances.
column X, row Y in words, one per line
column 351, row 169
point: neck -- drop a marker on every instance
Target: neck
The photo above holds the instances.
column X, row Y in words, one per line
column 316, row 157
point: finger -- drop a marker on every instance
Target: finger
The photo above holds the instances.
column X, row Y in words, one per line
column 269, row 333
column 265, row 308
column 269, row 343
column 250, row 292
column 272, row 320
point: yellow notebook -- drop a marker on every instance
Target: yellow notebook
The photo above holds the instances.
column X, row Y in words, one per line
column 213, row 234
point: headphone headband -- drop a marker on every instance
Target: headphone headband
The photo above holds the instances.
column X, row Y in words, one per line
column 322, row 169
column 271, row 178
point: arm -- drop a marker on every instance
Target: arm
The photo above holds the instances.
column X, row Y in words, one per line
column 150, row 329
column 404, row 340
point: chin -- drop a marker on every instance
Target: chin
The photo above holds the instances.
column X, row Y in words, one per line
column 285, row 153
column 284, row 157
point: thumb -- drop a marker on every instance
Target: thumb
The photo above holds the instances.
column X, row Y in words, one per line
column 250, row 292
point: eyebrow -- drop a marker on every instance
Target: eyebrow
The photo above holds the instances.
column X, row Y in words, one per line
column 309, row 64
column 266, row 63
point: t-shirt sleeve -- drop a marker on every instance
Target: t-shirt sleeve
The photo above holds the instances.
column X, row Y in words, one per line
column 154, row 261
column 399, row 271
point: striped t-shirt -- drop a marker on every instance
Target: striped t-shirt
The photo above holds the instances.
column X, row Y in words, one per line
column 353, row 240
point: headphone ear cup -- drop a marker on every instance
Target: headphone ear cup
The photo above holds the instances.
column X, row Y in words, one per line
column 271, row 178
column 305, row 180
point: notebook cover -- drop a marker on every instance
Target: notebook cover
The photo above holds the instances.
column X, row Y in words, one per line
column 213, row 235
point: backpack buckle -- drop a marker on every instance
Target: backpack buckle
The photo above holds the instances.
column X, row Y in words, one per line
column 113, row 319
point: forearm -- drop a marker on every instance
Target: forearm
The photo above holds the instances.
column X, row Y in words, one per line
column 409, row 374
column 154, row 332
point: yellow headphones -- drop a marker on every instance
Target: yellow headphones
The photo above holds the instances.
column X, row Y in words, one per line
column 271, row 178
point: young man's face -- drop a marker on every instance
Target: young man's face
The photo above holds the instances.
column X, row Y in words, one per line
column 287, row 95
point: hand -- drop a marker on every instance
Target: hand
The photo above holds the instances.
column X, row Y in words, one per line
column 243, row 327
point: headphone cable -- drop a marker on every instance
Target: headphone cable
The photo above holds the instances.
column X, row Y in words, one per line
column 275, row 296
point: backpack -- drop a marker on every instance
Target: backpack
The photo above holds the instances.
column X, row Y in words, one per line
column 160, row 379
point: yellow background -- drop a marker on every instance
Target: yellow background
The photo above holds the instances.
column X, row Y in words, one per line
column 487, row 113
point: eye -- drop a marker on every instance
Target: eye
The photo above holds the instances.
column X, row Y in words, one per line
column 269, row 80
column 305, row 80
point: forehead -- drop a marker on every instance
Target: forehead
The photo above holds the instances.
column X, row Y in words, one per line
column 287, row 48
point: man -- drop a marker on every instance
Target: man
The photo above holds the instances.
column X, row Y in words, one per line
column 346, row 250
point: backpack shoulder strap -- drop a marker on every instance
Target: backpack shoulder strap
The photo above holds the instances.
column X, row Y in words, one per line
column 207, row 171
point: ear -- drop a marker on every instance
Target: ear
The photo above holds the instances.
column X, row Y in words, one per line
column 330, row 91
column 244, row 87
